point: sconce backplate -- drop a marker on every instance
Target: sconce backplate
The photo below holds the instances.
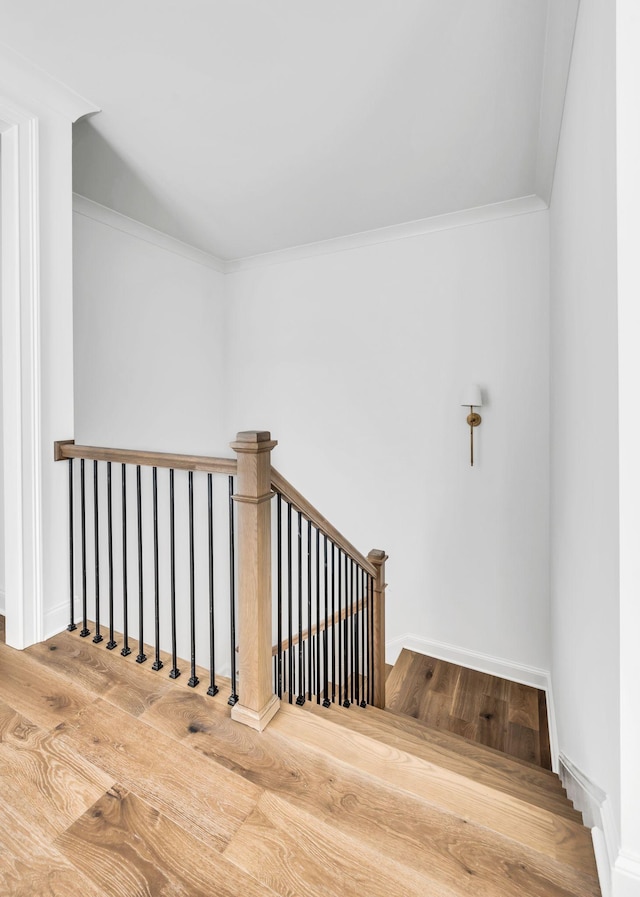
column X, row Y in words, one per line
column 474, row 420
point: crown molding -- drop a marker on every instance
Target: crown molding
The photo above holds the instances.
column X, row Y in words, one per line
column 467, row 217
column 18, row 75
column 116, row 220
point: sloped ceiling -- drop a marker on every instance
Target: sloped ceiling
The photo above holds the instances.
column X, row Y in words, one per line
column 247, row 126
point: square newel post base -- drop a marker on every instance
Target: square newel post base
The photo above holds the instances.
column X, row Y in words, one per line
column 258, row 720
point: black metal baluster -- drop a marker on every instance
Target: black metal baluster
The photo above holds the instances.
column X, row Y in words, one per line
column 111, row 644
column 126, row 650
column 373, row 653
column 346, row 702
column 309, row 610
column 317, row 655
column 369, row 637
column 325, row 636
column 340, row 695
column 333, row 622
column 157, row 663
column 290, row 603
column 356, row 623
column 84, row 632
column 233, row 697
column 175, row 672
column 279, row 682
column 213, row 688
column 301, row 689
column 352, row 640
column 193, row 680
column 363, row 702
column 96, row 542
column 72, row 614
column 141, row 655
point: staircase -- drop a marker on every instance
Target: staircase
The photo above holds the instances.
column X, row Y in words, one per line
column 131, row 783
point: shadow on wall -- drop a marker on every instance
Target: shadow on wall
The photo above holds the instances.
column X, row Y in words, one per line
column 102, row 173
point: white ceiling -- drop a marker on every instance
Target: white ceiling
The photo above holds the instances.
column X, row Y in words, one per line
column 246, row 126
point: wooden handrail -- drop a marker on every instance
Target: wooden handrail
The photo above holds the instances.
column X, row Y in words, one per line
column 337, row 618
column 66, row 449
column 291, row 494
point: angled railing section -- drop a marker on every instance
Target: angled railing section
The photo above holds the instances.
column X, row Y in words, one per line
column 181, row 546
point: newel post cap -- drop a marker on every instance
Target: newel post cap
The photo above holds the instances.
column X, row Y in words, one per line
column 254, row 441
column 377, row 557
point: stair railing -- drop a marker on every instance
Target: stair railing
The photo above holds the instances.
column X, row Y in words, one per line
column 329, row 640
column 329, row 646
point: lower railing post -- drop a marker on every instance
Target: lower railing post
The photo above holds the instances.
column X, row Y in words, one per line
column 257, row 702
column 377, row 664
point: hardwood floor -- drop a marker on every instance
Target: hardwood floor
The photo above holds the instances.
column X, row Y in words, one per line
column 500, row 714
column 117, row 781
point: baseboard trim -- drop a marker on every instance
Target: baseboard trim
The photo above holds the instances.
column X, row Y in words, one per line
column 56, row 619
column 484, row 663
column 626, row 875
column 593, row 803
column 475, row 660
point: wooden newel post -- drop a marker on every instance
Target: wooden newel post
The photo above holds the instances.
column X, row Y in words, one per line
column 378, row 559
column 257, row 702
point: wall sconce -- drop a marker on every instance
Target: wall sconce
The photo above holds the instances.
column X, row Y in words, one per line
column 472, row 398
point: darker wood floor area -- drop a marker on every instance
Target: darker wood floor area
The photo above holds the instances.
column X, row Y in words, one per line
column 498, row 713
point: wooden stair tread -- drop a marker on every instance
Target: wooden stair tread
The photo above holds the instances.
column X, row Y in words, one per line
column 424, row 837
column 376, row 724
column 537, row 828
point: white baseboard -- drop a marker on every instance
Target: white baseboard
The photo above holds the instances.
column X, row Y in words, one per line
column 626, row 875
column 483, row 663
column 597, row 815
column 56, row 619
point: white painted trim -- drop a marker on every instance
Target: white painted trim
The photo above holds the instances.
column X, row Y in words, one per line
column 97, row 212
column 467, row 217
column 595, row 806
column 2, row 603
column 56, row 619
column 21, row 375
column 626, row 875
column 474, row 660
column 484, row 663
column 34, row 81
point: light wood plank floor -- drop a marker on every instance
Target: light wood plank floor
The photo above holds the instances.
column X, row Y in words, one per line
column 117, row 781
column 498, row 713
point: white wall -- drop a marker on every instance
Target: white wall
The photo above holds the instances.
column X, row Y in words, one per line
column 2, row 608
column 356, row 361
column 148, row 345
column 584, row 422
column 627, row 877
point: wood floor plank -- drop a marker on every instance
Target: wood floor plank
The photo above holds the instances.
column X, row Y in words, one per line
column 130, row 849
column 523, row 705
column 203, row 797
column 473, row 705
column 102, row 672
column 535, row 827
column 451, row 850
column 46, row 778
column 36, row 692
column 292, row 852
column 30, row 866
